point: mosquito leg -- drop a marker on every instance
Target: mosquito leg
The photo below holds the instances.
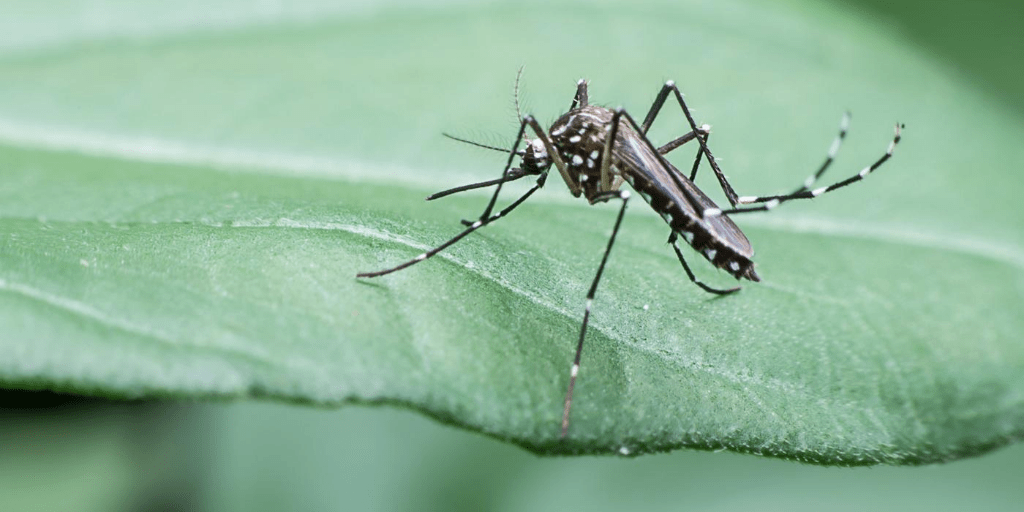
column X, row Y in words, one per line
column 609, row 180
column 606, row 163
column 659, row 101
column 689, row 196
column 606, row 196
column 504, row 173
column 730, row 194
column 672, row 240
column 696, row 161
column 485, row 217
column 832, row 150
column 652, row 113
column 472, row 227
column 773, row 201
column 553, row 153
column 682, row 140
column 663, row 150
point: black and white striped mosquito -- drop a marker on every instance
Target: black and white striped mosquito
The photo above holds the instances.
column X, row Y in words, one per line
column 596, row 149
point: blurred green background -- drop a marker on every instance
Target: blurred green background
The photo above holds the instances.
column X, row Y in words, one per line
column 66, row 453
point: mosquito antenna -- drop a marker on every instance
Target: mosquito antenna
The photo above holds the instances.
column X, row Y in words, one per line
column 479, row 145
column 515, row 92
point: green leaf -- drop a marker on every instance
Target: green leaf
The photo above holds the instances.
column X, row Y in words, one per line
column 188, row 191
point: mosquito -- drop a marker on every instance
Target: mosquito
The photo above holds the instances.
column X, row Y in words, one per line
column 596, row 150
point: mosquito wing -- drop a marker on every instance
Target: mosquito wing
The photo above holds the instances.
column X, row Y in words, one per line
column 662, row 185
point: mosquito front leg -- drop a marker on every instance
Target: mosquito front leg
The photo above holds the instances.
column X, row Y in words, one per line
column 504, row 173
column 553, row 153
column 484, row 219
column 471, row 228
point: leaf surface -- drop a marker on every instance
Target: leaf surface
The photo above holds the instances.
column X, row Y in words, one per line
column 187, row 196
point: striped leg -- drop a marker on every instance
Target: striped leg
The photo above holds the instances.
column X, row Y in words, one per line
column 484, row 219
column 471, row 228
column 770, row 202
column 607, row 196
column 832, row 151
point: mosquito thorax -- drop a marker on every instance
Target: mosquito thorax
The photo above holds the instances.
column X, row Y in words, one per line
column 579, row 136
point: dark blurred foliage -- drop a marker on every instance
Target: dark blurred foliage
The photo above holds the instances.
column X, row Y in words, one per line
column 66, row 452
column 980, row 39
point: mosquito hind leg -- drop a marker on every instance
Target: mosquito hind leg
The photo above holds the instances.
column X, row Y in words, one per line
column 812, row 179
column 770, row 202
column 844, row 124
column 703, row 135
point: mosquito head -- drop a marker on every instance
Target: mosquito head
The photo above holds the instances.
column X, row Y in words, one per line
column 535, row 158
